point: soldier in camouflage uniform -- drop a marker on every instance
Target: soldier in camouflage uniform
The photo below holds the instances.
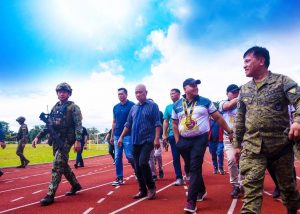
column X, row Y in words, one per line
column 22, row 138
column 65, row 118
column 261, row 121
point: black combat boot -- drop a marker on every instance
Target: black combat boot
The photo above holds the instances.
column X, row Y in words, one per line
column 49, row 199
column 73, row 190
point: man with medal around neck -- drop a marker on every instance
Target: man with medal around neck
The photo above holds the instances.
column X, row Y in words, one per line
column 191, row 126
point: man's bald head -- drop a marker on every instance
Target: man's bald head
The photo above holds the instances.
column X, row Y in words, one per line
column 141, row 93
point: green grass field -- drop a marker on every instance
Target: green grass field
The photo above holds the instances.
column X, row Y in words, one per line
column 43, row 153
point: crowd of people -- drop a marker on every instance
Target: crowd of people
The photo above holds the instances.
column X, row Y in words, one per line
column 252, row 126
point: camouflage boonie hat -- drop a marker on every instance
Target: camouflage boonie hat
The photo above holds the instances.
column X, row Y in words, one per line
column 21, row 119
column 64, row 87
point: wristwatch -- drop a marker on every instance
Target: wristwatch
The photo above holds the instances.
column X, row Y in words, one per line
column 231, row 132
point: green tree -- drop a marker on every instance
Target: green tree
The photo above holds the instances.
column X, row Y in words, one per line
column 34, row 132
column 7, row 132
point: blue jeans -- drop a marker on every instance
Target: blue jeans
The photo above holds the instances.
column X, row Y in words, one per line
column 216, row 150
column 127, row 146
column 79, row 159
column 176, row 157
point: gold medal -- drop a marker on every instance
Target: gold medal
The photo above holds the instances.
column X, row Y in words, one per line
column 188, row 120
column 189, row 123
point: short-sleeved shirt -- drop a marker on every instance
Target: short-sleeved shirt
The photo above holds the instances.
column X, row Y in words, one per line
column 228, row 115
column 120, row 113
column 202, row 110
column 168, row 116
column 143, row 120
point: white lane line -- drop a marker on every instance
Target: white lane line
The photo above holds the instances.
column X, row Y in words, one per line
column 117, row 187
column 37, row 202
column 232, row 206
column 88, row 210
column 24, row 177
column 64, row 182
column 298, row 177
column 142, row 199
column 111, row 192
column 9, row 190
column 8, row 182
column 101, row 200
column 267, row 193
column 270, row 194
column 37, row 191
column 185, row 187
column 17, row 199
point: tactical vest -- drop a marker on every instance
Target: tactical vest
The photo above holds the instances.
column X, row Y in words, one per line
column 62, row 121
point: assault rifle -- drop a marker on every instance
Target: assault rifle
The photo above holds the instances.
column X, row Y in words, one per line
column 49, row 127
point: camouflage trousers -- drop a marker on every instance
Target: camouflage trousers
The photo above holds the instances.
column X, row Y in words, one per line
column 61, row 167
column 20, row 152
column 253, row 167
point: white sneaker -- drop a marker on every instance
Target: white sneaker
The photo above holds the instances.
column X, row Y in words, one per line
column 178, row 182
column 117, row 182
column 187, row 177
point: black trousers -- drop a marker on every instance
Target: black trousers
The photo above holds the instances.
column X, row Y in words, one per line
column 141, row 155
column 192, row 151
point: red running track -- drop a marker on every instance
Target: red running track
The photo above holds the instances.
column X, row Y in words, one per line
column 21, row 190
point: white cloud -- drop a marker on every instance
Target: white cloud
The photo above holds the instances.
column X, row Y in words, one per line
column 112, row 66
column 94, row 23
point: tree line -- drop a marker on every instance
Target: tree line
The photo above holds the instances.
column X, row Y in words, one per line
column 93, row 132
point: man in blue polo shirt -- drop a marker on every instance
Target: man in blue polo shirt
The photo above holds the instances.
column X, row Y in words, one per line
column 144, row 122
column 120, row 113
column 190, row 126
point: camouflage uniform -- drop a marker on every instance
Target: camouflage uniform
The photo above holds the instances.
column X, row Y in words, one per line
column 69, row 129
column 261, row 120
column 22, row 138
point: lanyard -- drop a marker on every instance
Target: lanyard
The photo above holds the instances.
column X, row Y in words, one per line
column 185, row 108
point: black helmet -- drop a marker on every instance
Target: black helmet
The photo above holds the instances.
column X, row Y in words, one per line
column 64, row 87
column 21, row 119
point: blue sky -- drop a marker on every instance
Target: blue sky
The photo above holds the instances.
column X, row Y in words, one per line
column 99, row 46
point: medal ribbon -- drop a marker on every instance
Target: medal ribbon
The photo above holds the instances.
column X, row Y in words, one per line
column 185, row 108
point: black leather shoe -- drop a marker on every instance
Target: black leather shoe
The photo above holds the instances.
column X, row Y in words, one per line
column 73, row 190
column 1, row 173
column 151, row 193
column 21, row 166
column 75, row 166
column 276, row 193
column 47, row 200
column 140, row 195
